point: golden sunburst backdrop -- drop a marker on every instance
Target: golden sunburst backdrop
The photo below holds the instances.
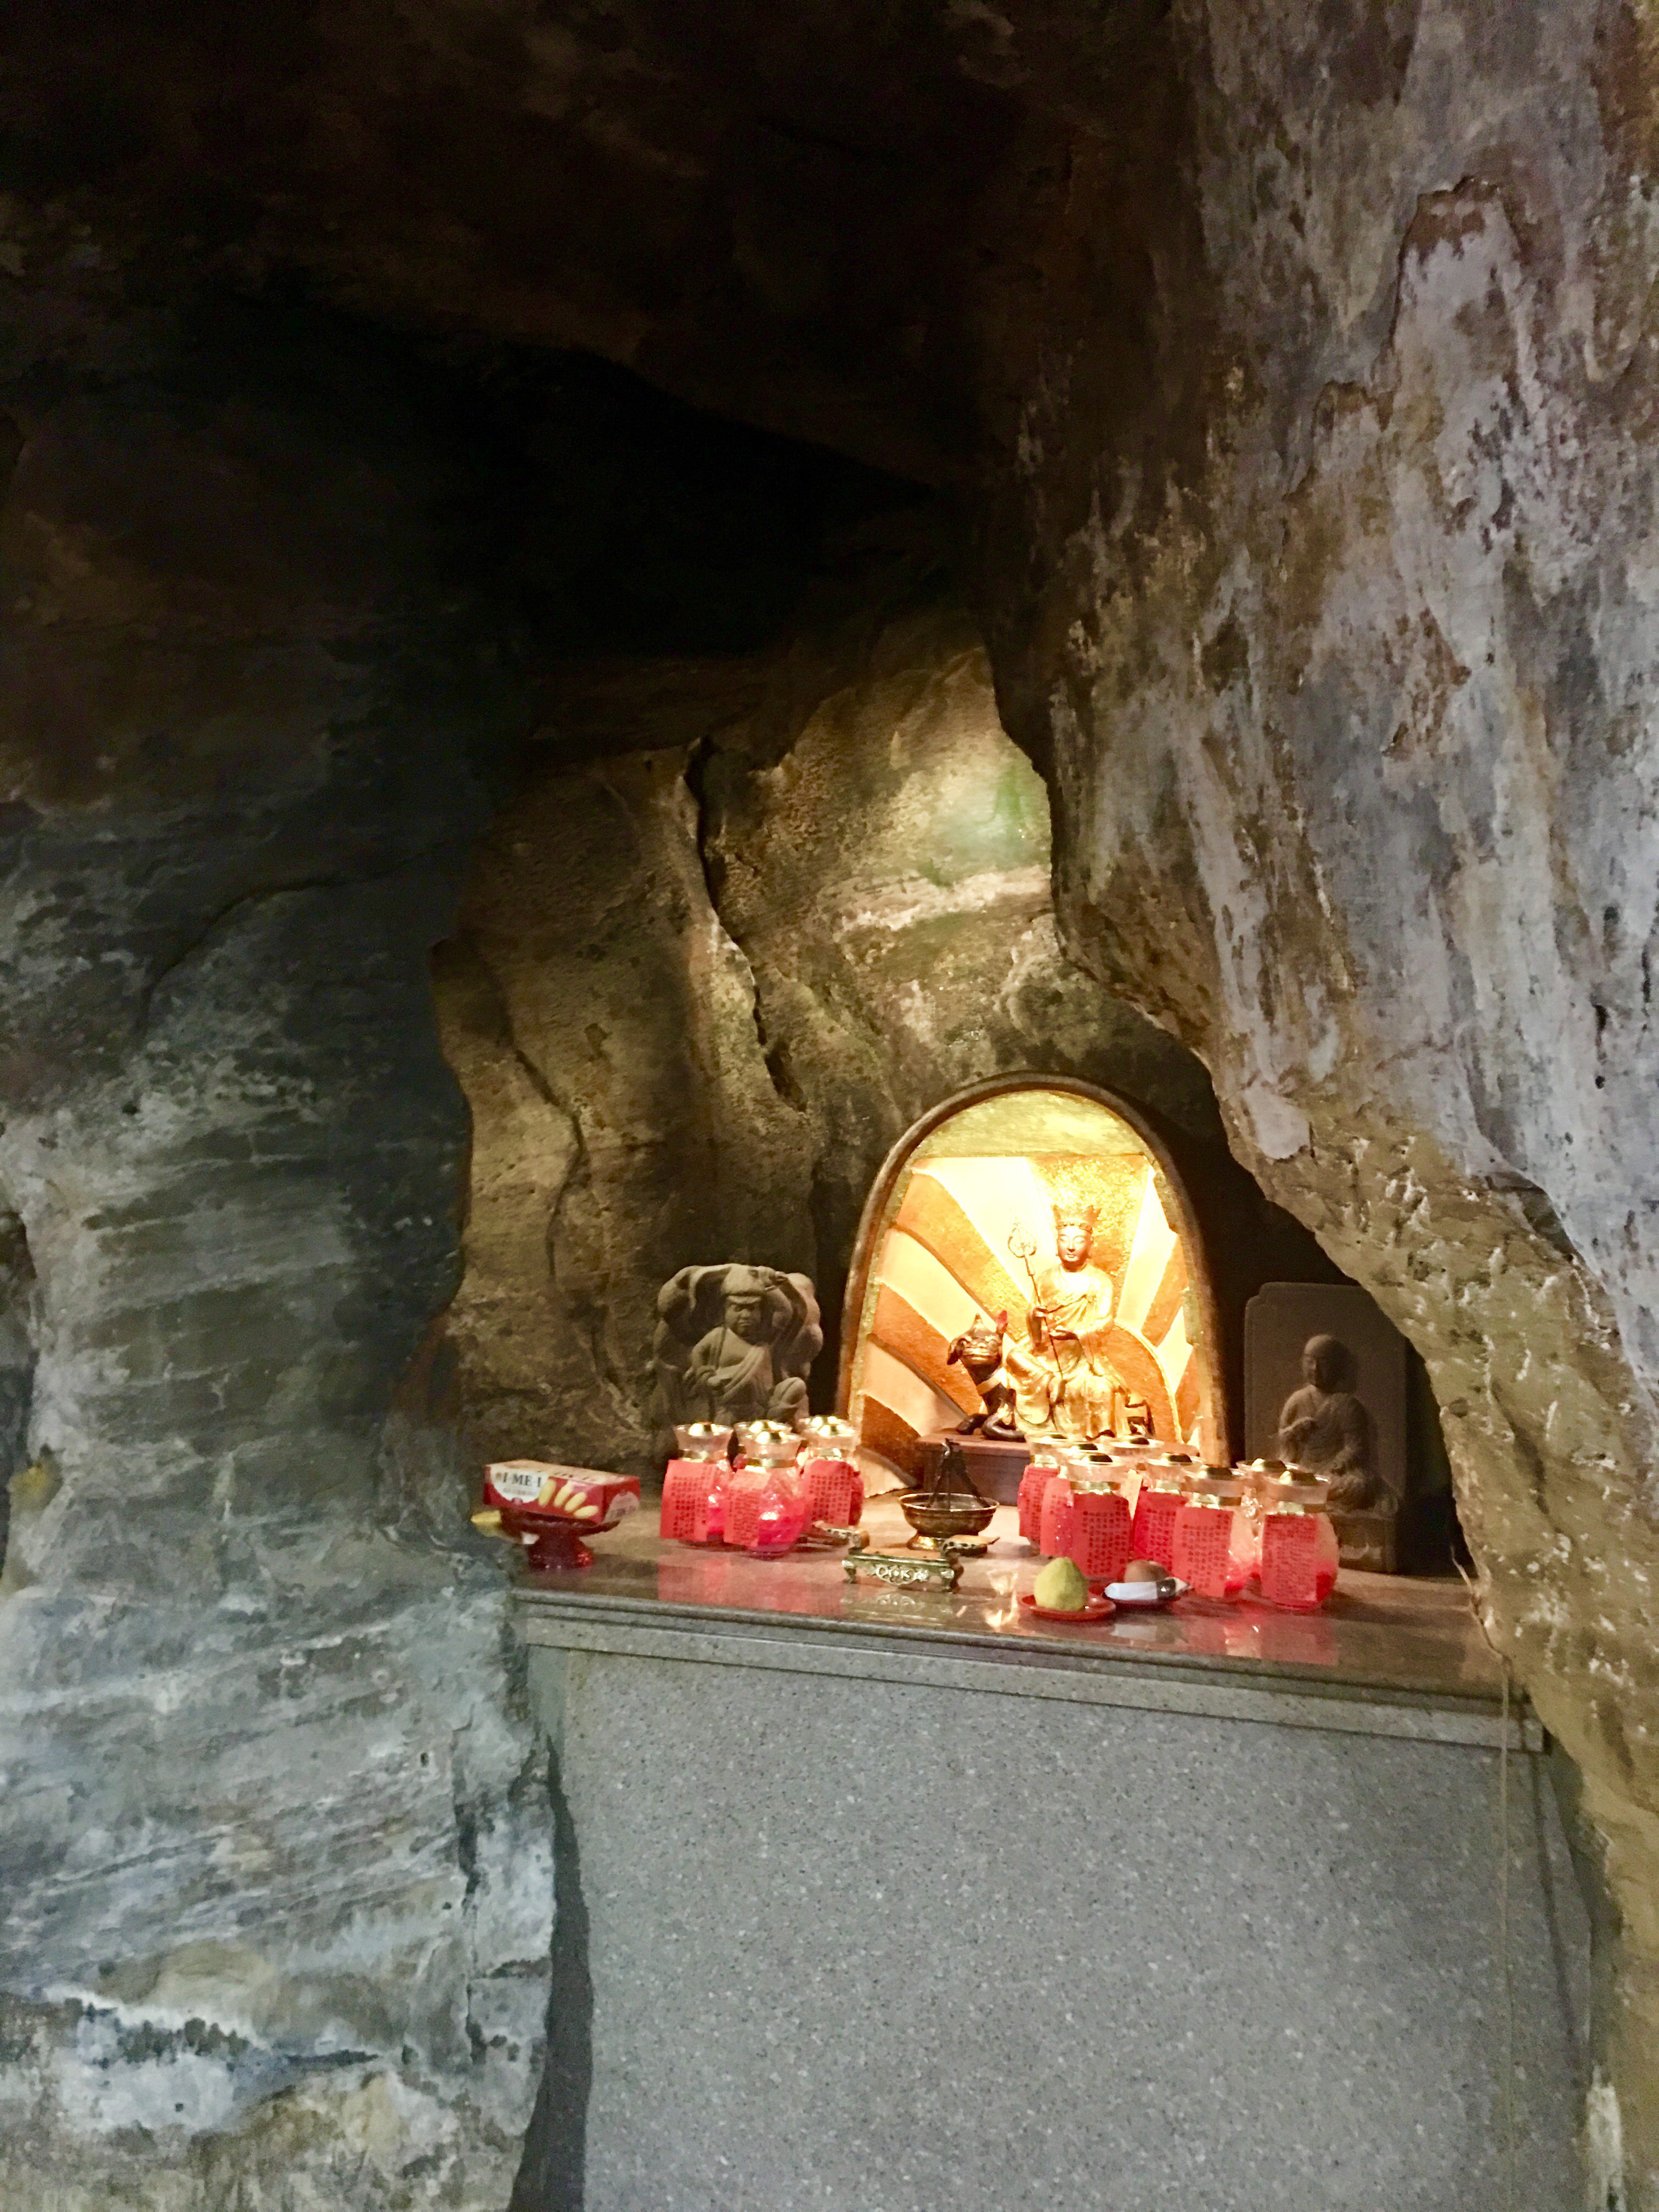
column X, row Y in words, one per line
column 953, row 1251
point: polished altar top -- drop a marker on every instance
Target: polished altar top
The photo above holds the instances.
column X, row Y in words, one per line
column 1386, row 1640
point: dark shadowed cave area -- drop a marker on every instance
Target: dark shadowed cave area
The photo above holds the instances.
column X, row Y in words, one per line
column 602, row 608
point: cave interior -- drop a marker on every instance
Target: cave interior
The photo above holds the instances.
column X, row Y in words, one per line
column 605, row 612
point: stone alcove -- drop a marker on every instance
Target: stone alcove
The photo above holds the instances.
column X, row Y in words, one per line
column 699, row 991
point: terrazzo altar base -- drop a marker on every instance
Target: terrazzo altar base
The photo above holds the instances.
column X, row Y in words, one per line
column 865, row 1936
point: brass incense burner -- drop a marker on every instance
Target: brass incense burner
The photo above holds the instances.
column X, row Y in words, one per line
column 950, row 1509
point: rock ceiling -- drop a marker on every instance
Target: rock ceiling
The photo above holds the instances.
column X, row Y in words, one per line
column 779, row 214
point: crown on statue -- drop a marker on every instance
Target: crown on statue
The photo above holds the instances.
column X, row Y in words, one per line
column 1074, row 1214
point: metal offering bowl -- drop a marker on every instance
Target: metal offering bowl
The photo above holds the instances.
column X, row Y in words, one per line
column 936, row 1514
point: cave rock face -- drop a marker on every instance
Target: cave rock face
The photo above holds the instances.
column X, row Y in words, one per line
column 275, row 1845
column 1339, row 637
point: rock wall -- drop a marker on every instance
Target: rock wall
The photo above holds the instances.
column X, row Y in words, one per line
column 1324, row 590
column 276, row 1842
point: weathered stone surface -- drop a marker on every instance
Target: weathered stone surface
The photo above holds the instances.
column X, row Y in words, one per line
column 1311, row 388
column 275, row 1845
column 1335, row 623
column 18, row 1324
column 748, row 206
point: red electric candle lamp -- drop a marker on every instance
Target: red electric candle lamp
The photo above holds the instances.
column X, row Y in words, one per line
column 1213, row 1550
column 1300, row 1554
column 1040, row 1471
column 765, row 1502
column 829, row 1473
column 694, row 1485
column 1162, row 1493
column 1103, row 1529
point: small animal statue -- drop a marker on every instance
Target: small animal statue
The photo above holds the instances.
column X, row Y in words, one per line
column 978, row 1351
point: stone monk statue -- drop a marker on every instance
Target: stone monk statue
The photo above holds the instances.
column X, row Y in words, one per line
column 735, row 1344
column 1324, row 1430
column 1063, row 1381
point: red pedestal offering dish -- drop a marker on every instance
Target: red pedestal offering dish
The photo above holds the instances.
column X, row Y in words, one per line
column 549, row 1509
column 550, row 1544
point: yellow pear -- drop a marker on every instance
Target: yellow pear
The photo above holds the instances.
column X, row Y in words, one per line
column 1060, row 1587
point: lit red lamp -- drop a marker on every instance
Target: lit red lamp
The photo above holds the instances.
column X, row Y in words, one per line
column 829, row 1473
column 1055, row 1512
column 765, row 1497
column 1163, row 1494
column 1101, row 1530
column 1300, row 1554
column 1040, row 1471
column 694, row 1485
column 1213, row 1548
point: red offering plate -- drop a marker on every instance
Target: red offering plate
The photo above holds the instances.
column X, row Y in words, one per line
column 1097, row 1609
column 549, row 1509
column 556, row 1543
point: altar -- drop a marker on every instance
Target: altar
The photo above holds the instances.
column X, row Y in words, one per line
column 883, row 1901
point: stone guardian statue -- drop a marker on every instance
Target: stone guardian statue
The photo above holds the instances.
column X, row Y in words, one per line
column 735, row 1343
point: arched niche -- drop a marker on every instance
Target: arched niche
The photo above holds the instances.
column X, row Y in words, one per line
column 938, row 1243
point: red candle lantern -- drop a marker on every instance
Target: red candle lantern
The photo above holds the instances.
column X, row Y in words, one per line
column 1040, row 1471
column 1101, row 1530
column 765, row 1503
column 1260, row 1479
column 1162, row 1493
column 694, row 1485
column 1054, row 1520
column 1057, row 1515
column 781, row 1514
column 1299, row 1550
column 1212, row 1549
column 829, row 1473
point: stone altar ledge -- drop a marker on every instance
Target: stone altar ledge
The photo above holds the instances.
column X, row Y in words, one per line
column 1391, row 1655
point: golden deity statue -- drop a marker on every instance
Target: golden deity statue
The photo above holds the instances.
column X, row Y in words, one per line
column 1065, row 1386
